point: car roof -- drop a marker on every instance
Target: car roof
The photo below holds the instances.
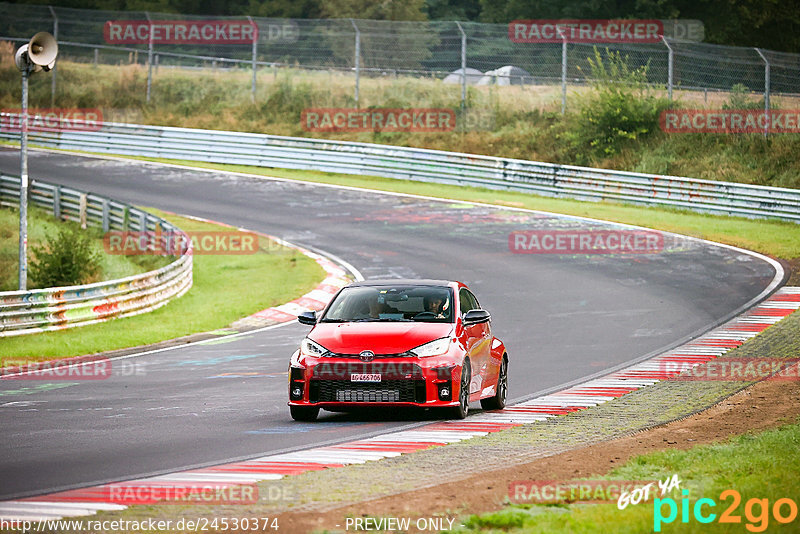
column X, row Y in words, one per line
column 403, row 282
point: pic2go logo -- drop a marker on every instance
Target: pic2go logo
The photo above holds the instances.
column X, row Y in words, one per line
column 756, row 511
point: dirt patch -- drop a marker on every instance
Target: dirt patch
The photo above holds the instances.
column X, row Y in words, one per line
column 794, row 271
column 764, row 405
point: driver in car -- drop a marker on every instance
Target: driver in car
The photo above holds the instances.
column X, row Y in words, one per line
column 435, row 304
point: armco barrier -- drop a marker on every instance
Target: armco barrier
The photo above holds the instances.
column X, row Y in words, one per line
column 40, row 310
column 429, row 166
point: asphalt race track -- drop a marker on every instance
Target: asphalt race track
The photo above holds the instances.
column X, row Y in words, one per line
column 562, row 318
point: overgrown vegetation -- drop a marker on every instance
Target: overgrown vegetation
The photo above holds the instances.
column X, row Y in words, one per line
column 607, row 125
column 67, row 258
column 620, row 108
column 50, row 241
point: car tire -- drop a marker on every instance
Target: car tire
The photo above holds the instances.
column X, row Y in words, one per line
column 461, row 411
column 498, row 400
column 304, row 413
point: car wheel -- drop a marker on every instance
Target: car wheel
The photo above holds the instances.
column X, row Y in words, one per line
column 498, row 401
column 304, row 413
column 461, row 411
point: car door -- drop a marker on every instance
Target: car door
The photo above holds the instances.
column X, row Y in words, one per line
column 477, row 340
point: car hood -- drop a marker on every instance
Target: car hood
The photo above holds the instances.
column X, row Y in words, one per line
column 380, row 338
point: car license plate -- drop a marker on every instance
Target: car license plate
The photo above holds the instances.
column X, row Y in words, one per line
column 356, row 377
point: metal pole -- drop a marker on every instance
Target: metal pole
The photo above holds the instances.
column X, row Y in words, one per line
column 766, row 92
column 53, row 81
column 149, row 56
column 23, row 186
column 563, row 72
column 255, row 57
column 463, row 67
column 358, row 56
column 670, row 64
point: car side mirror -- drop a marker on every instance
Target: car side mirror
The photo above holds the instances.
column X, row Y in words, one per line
column 309, row 317
column 476, row 317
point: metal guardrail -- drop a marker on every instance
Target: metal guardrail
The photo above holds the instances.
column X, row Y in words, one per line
column 41, row 310
column 546, row 179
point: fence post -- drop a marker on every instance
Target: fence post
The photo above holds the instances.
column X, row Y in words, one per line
column 563, row 72
column 463, row 67
column 149, row 56
column 255, row 57
column 96, row 56
column 55, row 68
column 670, row 66
column 766, row 92
column 358, row 56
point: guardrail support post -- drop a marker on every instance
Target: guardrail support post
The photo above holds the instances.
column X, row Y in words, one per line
column 149, row 56
column 96, row 56
column 463, row 67
column 57, row 202
column 142, row 222
column 105, row 215
column 766, row 92
column 55, row 67
column 670, row 67
column 357, row 57
column 82, row 210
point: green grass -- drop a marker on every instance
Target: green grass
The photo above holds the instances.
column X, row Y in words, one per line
column 40, row 225
column 775, row 238
column 226, row 288
column 758, row 466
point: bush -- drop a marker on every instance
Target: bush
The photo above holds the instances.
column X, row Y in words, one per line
column 739, row 98
column 65, row 259
column 621, row 107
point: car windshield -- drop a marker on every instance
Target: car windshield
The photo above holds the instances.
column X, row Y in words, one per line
column 392, row 303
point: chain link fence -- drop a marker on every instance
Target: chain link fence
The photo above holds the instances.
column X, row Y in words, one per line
column 461, row 53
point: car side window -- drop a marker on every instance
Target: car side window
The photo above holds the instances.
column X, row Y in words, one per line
column 475, row 303
column 467, row 301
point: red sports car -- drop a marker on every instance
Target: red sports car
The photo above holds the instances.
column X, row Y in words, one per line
column 424, row 343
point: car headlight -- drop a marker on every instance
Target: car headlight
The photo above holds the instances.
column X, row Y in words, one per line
column 312, row 348
column 432, row 348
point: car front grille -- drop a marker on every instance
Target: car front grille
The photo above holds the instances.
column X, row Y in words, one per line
column 385, row 391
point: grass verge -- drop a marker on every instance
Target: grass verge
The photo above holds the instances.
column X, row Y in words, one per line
column 758, row 466
column 226, row 288
column 42, row 224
